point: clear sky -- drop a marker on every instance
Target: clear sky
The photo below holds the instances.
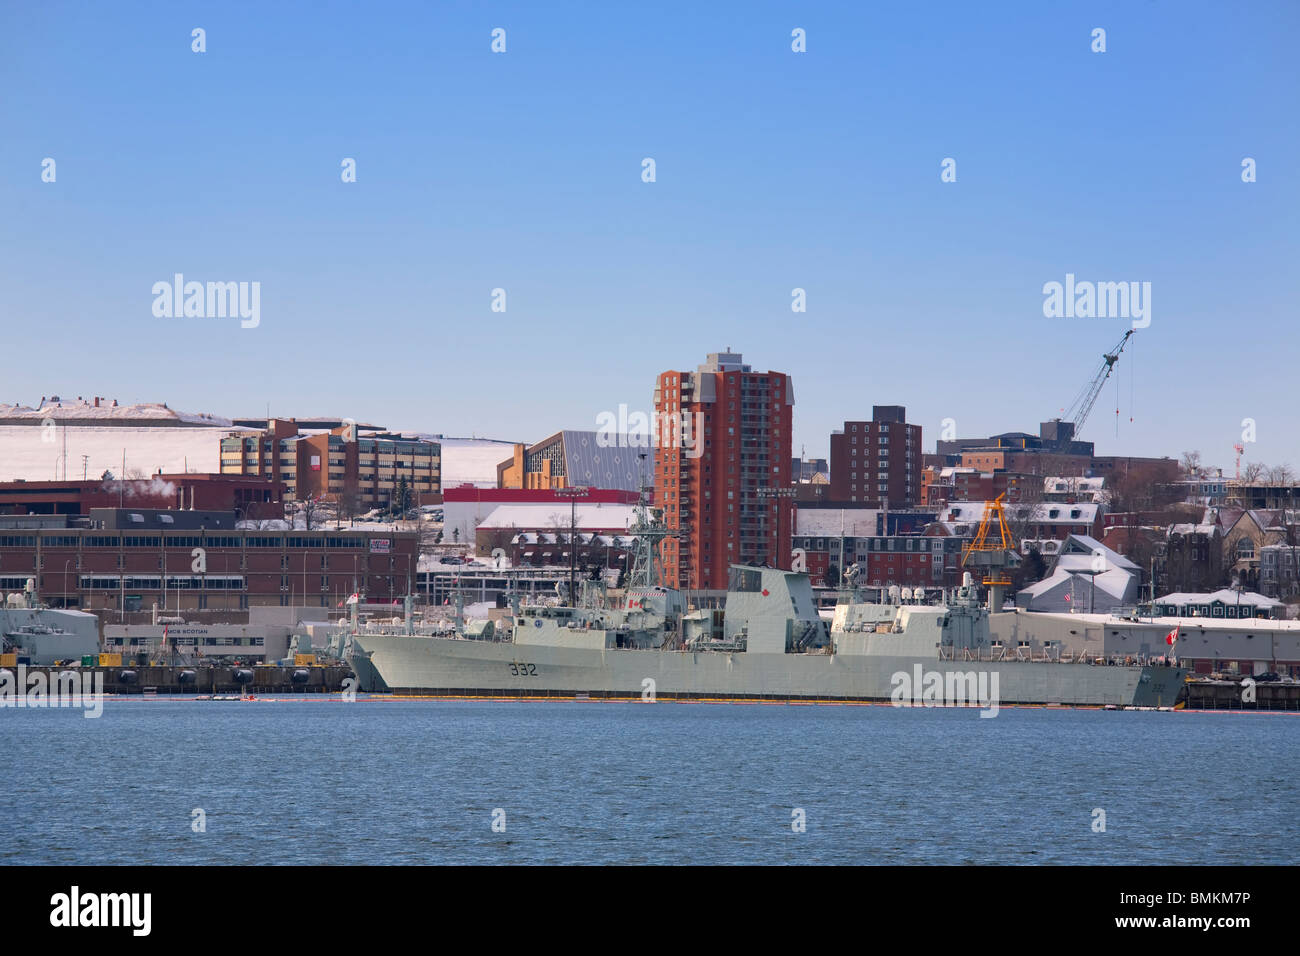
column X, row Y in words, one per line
column 774, row 170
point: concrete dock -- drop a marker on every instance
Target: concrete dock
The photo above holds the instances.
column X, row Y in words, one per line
column 175, row 679
column 1230, row 695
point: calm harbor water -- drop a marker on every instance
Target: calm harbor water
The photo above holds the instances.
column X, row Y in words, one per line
column 325, row 782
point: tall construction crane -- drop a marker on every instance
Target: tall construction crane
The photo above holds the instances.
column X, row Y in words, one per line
column 1080, row 408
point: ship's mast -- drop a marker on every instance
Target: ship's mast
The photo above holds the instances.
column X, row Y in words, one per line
column 650, row 534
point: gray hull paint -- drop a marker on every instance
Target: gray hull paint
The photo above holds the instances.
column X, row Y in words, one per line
column 452, row 667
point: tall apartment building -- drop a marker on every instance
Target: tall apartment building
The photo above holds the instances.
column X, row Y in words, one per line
column 877, row 462
column 342, row 462
column 723, row 446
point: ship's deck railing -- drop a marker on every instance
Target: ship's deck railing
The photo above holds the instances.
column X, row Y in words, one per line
column 1027, row 655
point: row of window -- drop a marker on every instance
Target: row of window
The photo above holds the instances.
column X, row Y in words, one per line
column 187, row 641
column 142, row 583
column 277, row 542
column 899, row 543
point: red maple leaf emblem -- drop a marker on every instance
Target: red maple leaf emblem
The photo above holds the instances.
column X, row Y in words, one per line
column 766, row 592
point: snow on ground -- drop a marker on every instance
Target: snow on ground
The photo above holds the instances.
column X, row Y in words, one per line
column 24, row 453
column 322, row 523
column 471, row 461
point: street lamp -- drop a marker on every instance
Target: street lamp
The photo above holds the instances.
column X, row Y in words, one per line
column 573, row 493
column 65, row 581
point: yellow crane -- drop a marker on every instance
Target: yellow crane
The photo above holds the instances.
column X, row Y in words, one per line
column 992, row 550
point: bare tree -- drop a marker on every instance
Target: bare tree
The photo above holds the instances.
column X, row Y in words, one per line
column 1281, row 475
column 1024, row 514
column 347, row 504
column 1190, row 464
column 311, row 512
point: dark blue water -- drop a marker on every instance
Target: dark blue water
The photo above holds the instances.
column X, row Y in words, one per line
column 316, row 781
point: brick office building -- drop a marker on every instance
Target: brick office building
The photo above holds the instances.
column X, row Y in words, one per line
column 347, row 461
column 130, row 560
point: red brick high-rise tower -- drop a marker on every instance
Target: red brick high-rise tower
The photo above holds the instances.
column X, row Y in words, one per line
column 722, row 469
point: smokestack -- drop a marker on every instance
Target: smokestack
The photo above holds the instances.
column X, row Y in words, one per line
column 97, row 401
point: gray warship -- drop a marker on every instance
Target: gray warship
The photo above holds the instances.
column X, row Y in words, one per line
column 40, row 635
column 769, row 643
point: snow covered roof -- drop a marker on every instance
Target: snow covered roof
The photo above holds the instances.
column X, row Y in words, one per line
column 548, row 515
column 1056, row 485
column 1223, row 595
column 826, row 522
column 1086, row 548
column 105, row 413
column 1047, row 512
column 1074, row 578
column 1188, row 528
column 1116, row 583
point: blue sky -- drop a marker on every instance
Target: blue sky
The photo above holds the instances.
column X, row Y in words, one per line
column 775, row 170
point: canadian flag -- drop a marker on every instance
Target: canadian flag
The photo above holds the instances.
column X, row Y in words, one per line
column 353, row 598
column 1172, row 637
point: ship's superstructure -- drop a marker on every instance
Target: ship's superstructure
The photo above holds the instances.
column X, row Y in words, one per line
column 40, row 635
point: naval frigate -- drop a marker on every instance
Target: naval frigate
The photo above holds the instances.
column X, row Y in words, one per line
column 769, row 642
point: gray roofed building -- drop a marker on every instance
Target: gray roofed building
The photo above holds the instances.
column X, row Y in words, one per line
column 568, row 458
column 1087, row 577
